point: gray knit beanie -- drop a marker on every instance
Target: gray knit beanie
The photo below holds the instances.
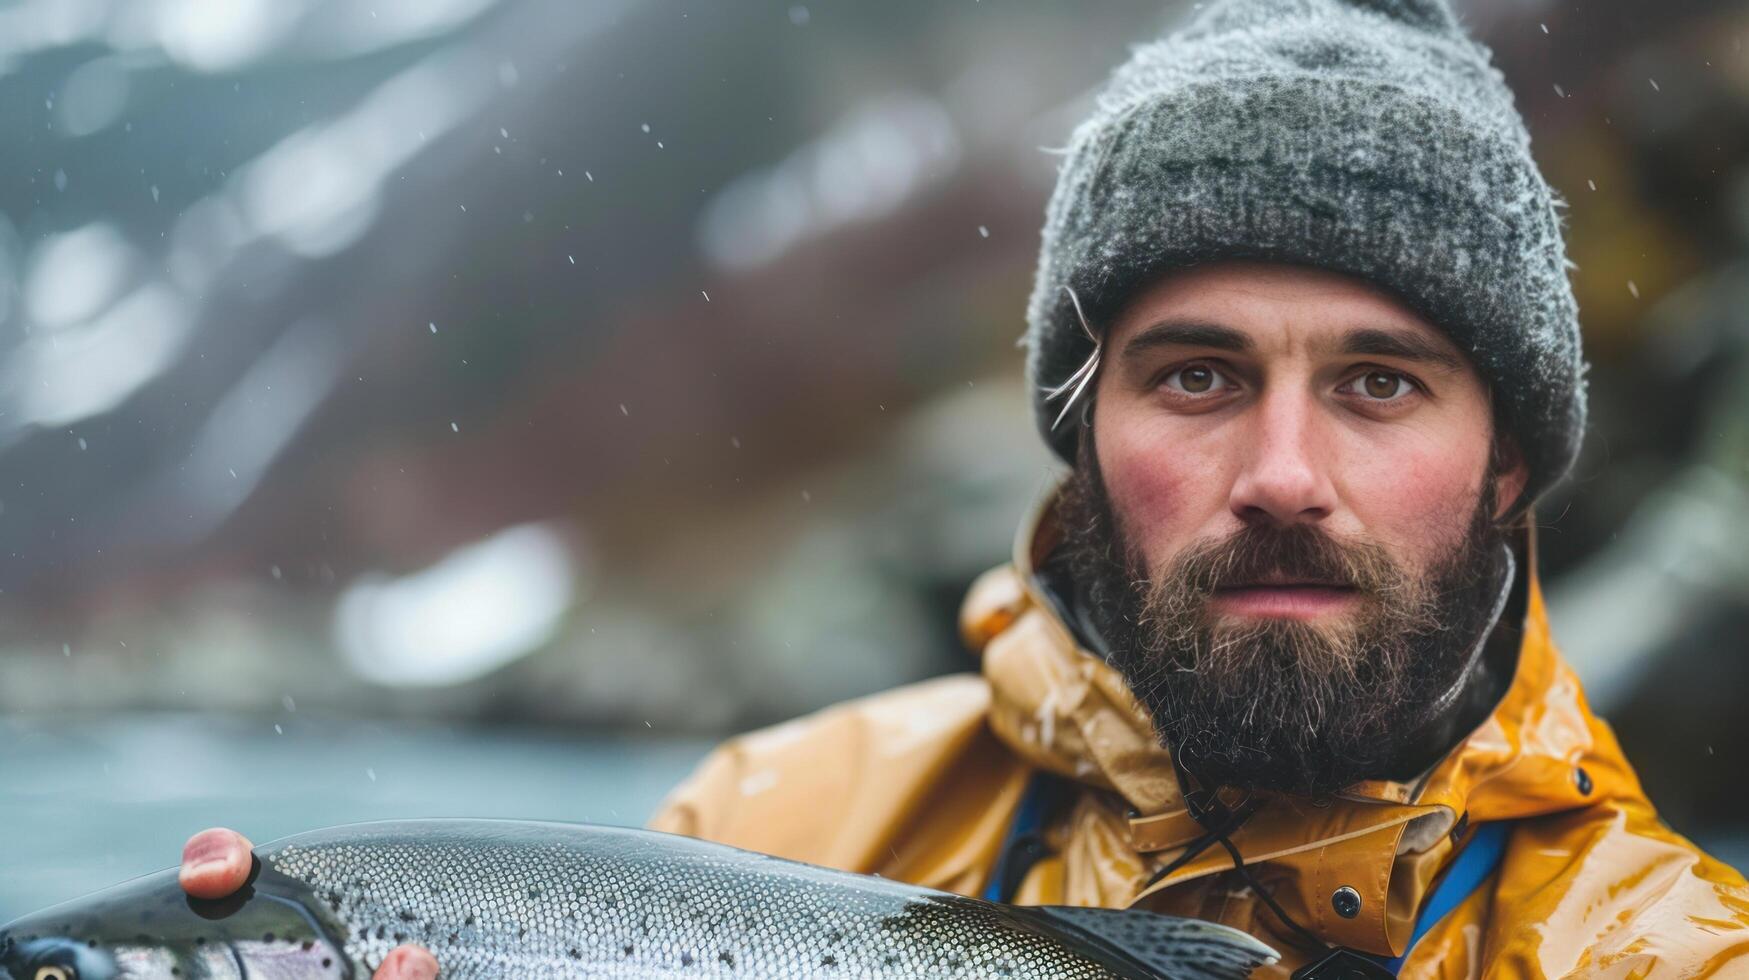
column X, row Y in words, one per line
column 1370, row 137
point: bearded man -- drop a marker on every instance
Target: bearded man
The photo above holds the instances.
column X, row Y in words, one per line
column 1273, row 652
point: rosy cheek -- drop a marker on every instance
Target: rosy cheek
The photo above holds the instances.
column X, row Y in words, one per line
column 1413, row 496
column 1159, row 490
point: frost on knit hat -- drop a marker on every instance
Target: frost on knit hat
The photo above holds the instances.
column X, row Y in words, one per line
column 1370, row 137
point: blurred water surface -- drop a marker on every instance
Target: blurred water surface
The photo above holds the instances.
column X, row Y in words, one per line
column 86, row 803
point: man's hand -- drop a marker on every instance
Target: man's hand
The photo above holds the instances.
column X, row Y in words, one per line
column 216, row 862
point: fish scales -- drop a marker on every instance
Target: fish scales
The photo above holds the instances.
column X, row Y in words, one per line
column 501, row 899
column 496, row 908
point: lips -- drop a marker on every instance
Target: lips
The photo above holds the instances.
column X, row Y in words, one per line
column 1287, row 584
column 1283, row 598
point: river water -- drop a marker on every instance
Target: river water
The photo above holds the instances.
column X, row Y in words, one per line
column 89, row 802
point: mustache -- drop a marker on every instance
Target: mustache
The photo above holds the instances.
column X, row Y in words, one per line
column 1271, row 553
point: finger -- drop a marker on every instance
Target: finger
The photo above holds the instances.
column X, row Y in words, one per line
column 215, row 863
column 407, row 963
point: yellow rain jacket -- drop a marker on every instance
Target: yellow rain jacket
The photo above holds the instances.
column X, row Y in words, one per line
column 921, row 784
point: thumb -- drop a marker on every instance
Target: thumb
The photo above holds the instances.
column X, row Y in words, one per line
column 407, row 963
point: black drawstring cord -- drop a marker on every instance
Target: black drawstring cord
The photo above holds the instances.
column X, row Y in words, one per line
column 1202, row 805
column 1235, row 819
column 1269, row 900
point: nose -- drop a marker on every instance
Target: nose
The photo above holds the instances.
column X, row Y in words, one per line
column 1285, row 475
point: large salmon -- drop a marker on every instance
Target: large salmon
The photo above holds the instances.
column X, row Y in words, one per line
column 506, row 899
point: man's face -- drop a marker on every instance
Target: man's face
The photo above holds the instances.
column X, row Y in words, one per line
column 1293, row 468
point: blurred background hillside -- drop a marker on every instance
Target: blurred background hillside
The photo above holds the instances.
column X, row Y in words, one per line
column 633, row 373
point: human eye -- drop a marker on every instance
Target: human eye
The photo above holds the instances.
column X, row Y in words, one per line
column 1380, row 386
column 1198, row 379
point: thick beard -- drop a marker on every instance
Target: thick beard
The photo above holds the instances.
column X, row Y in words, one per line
column 1284, row 705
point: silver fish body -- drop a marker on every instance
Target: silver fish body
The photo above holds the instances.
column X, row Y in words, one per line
column 497, row 899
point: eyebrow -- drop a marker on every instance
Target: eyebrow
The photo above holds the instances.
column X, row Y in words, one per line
column 1187, row 333
column 1364, row 342
column 1403, row 346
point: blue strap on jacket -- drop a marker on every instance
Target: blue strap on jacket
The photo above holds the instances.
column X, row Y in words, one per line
column 1028, row 818
column 1473, row 866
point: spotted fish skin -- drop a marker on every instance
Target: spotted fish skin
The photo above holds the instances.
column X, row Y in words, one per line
column 497, row 899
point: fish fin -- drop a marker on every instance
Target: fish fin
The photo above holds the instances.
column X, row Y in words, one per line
column 1165, row 946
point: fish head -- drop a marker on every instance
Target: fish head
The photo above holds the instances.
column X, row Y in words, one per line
column 150, row 929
